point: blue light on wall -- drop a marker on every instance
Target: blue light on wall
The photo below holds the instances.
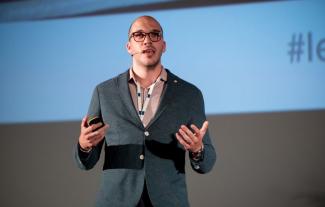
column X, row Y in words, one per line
column 245, row 58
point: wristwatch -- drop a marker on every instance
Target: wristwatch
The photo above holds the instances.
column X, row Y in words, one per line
column 197, row 156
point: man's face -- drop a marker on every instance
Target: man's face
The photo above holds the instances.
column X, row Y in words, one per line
column 146, row 52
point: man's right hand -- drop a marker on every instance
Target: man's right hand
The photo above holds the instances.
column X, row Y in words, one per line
column 90, row 136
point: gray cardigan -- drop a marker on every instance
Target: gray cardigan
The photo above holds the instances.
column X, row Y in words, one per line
column 134, row 154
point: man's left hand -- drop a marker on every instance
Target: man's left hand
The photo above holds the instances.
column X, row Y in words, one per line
column 192, row 139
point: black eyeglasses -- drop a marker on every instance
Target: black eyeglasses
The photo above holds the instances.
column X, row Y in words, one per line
column 141, row 36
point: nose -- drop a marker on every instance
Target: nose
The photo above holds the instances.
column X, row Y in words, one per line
column 147, row 40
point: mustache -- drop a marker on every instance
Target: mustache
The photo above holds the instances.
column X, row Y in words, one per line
column 142, row 51
column 148, row 48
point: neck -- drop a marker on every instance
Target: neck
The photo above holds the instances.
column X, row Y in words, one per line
column 146, row 76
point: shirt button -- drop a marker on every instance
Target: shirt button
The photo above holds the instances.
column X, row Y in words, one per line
column 146, row 133
column 141, row 157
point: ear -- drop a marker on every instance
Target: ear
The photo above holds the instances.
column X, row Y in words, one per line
column 129, row 48
column 164, row 47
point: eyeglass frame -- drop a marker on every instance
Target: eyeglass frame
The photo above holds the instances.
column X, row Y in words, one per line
column 147, row 34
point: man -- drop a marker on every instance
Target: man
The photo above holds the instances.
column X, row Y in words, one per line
column 151, row 118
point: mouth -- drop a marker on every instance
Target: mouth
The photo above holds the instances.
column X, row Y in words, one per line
column 148, row 51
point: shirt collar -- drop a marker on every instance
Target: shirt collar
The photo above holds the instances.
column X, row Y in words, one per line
column 162, row 76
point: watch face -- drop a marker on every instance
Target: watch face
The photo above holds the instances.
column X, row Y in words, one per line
column 197, row 156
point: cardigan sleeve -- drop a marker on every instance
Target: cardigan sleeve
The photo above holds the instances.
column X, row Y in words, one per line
column 87, row 160
column 208, row 157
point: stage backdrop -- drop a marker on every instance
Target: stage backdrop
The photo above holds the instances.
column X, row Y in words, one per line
column 260, row 66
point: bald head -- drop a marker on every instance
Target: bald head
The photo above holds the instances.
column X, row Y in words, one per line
column 144, row 19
